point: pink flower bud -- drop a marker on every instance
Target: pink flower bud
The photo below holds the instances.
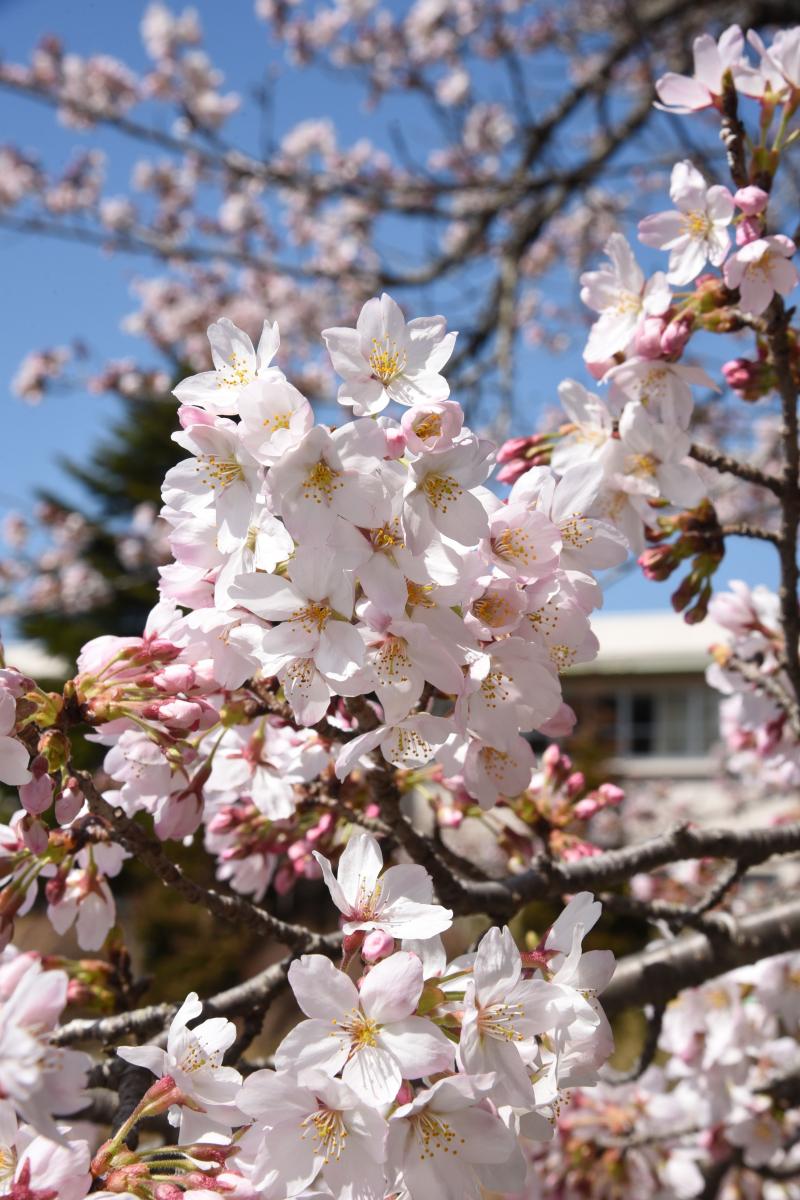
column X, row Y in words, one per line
column 750, row 230
column 377, row 945
column 395, row 443
column 512, row 449
column 612, row 795
column 551, row 757
column 675, row 337
column 738, row 373
column 575, row 783
column 513, row 471
column 647, row 339
column 34, row 834
column 751, row 200
column 176, row 677
column 585, row 809
column 69, row 803
column 351, row 944
column 54, row 888
column 37, row 796
column 580, row 850
column 168, row 1191
column 179, row 714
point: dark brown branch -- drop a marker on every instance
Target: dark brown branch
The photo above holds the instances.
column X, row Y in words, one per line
column 780, row 354
column 741, row 529
column 548, row 877
column 656, row 975
column 679, row 916
column 728, row 465
column 255, row 993
column 234, row 909
column 655, row 1021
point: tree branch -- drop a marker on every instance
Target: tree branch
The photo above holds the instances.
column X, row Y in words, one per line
column 234, row 909
column 656, row 975
column 727, row 465
column 257, row 992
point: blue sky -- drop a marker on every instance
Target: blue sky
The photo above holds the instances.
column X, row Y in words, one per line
column 56, row 292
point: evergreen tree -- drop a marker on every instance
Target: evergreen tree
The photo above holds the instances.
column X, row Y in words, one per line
column 125, row 469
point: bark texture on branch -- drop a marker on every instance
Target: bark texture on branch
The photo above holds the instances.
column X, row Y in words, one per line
column 657, row 975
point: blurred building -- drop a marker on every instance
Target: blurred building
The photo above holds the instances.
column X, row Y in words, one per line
column 646, row 716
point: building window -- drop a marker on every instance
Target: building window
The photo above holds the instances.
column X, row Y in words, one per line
column 666, row 722
column 659, row 721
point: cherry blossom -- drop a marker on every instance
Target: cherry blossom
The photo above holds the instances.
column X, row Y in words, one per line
column 446, row 1143
column 622, row 296
column 236, row 364
column 503, row 1013
column 193, row 1062
column 384, row 358
column 685, row 93
column 697, row 232
column 760, row 269
column 317, row 1126
column 370, row 1035
column 397, row 901
column 13, row 755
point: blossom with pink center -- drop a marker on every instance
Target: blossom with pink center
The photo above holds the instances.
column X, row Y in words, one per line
column 221, row 472
column 86, row 898
column 712, row 59
column 556, row 620
column 656, row 457
column 449, row 1143
column 495, row 607
column 312, row 485
column 371, row 1034
column 386, row 358
column 401, row 656
column 503, row 1014
column 523, row 542
column 665, row 388
column 37, row 1079
column 263, row 544
column 33, row 1167
column 619, row 292
column 193, row 1059
column 696, row 231
column 587, row 542
column 777, row 76
column 313, row 607
column 439, row 495
column 313, row 1128
column 431, row 427
column 236, row 365
column 410, row 743
column 397, row 901
column 500, row 768
column 761, row 269
column 513, row 684
column 592, row 426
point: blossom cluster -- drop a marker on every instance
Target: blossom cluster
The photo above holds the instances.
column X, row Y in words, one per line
column 713, row 1098
column 354, row 625
column 424, row 1075
column 761, row 743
